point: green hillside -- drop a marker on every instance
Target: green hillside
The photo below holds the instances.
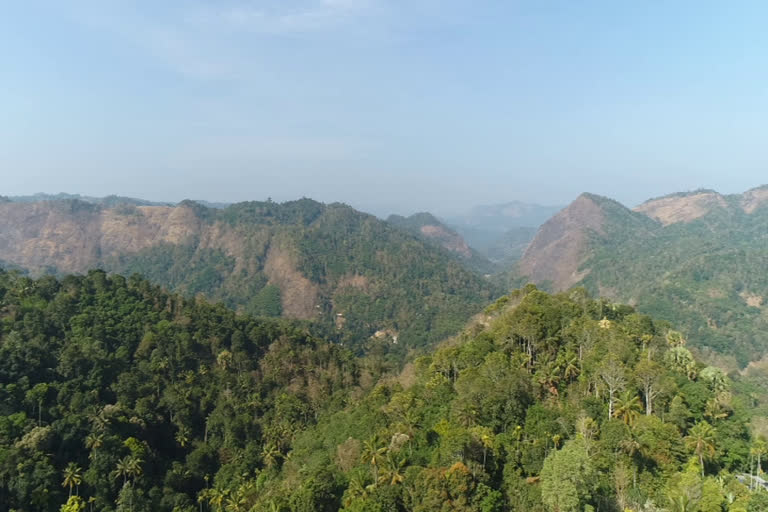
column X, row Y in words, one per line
column 701, row 267
column 348, row 271
column 707, row 276
column 115, row 395
column 376, row 276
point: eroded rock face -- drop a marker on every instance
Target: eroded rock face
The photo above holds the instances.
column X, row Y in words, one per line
column 299, row 294
column 75, row 236
column 753, row 199
column 560, row 247
column 682, row 208
column 447, row 239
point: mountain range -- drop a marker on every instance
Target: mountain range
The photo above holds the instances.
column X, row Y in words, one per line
column 697, row 259
column 119, row 395
column 330, row 264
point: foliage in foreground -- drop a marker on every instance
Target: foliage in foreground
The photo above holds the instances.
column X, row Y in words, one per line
column 115, row 395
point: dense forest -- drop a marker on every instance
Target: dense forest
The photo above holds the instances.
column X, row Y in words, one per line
column 116, row 395
column 352, row 273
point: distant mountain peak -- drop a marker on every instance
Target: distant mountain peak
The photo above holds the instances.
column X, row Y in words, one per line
column 430, row 227
column 559, row 247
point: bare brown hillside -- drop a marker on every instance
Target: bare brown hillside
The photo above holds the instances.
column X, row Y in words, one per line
column 682, row 208
column 75, row 236
column 560, row 246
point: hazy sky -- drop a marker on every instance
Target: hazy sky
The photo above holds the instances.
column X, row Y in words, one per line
column 398, row 105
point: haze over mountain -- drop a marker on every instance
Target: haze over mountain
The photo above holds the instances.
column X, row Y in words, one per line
column 694, row 258
column 501, row 231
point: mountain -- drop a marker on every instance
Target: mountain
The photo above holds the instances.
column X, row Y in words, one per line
column 557, row 253
column 118, row 396
column 695, row 258
column 331, row 264
column 112, row 200
column 501, row 232
column 428, row 227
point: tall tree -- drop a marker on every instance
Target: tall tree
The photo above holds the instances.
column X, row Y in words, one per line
column 701, row 441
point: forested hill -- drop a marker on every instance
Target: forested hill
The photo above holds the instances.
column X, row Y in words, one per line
column 127, row 398
column 138, row 400
column 548, row 404
column 302, row 259
column 696, row 259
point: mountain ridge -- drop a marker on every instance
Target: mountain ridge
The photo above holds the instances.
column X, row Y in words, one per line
column 690, row 258
column 302, row 259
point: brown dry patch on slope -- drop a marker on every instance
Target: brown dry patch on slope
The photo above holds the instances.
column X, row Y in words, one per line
column 751, row 200
column 37, row 235
column 299, row 294
column 752, row 299
column 559, row 248
column 674, row 209
column 356, row 281
column 74, row 238
column 450, row 241
column 715, row 293
column 247, row 247
column 148, row 226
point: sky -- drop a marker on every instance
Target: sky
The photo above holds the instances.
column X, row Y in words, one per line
column 388, row 105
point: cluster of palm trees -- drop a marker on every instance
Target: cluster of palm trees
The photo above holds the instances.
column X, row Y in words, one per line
column 221, row 500
column 128, row 468
column 387, row 468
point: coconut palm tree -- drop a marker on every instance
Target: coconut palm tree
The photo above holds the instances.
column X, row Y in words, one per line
column 572, row 369
column 392, row 473
column 715, row 410
column 627, row 408
column 271, row 454
column 73, row 476
column 701, row 441
column 681, row 503
column 121, row 470
column 215, row 498
column 182, row 436
column 128, row 467
column 373, row 454
column 134, row 467
column 357, row 489
column 758, row 450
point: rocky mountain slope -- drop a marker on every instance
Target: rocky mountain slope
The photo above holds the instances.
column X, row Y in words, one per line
column 697, row 259
column 326, row 263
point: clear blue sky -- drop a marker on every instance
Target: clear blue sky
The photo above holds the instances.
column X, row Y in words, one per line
column 397, row 105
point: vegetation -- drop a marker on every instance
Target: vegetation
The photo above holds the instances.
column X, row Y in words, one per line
column 443, row 237
column 115, row 395
column 376, row 276
column 705, row 276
